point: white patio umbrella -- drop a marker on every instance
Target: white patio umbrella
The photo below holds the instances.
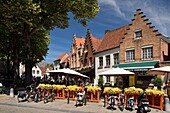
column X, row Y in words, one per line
column 116, row 72
column 160, row 71
column 68, row 71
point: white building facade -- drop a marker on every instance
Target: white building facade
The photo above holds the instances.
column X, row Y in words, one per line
column 36, row 71
column 104, row 61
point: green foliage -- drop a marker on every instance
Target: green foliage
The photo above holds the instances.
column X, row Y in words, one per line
column 100, row 81
column 158, row 82
column 25, row 26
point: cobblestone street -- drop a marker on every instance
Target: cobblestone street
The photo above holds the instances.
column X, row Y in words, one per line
column 10, row 105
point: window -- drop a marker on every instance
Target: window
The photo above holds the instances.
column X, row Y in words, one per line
column 100, row 61
column 138, row 34
column 38, row 71
column 33, row 71
column 130, row 55
column 107, row 78
column 116, row 58
column 147, row 53
column 107, row 60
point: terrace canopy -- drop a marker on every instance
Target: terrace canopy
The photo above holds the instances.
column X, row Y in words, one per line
column 116, row 72
column 68, row 72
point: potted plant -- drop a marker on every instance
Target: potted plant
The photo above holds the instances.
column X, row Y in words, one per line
column 158, row 82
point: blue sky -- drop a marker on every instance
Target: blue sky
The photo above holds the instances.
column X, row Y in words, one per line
column 113, row 14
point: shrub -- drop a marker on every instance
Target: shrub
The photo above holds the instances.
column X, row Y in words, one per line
column 158, row 82
column 100, row 81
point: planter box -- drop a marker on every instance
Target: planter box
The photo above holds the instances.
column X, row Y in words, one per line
column 94, row 97
column 134, row 96
column 60, row 94
column 156, row 101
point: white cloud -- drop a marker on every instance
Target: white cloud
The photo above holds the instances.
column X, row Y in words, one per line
column 113, row 6
column 159, row 16
column 157, row 12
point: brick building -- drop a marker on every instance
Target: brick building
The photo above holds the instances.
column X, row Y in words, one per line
column 76, row 52
column 87, row 60
column 141, row 48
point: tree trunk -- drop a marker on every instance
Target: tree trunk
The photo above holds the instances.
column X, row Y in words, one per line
column 28, row 74
column 15, row 68
column 28, row 64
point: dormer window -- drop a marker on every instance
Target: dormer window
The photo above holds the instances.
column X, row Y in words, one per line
column 138, row 34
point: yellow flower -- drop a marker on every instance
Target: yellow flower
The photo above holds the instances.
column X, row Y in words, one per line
column 110, row 90
column 93, row 89
column 58, row 87
column 74, row 88
column 133, row 90
column 155, row 92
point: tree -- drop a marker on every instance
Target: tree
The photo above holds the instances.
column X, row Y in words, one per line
column 26, row 17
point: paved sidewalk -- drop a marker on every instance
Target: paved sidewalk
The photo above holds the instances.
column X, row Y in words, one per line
column 10, row 105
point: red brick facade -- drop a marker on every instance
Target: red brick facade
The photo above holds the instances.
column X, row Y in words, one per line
column 150, row 37
column 90, row 46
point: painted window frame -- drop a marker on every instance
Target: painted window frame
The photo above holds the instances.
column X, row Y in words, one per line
column 136, row 35
column 100, row 62
column 116, row 59
column 148, row 53
column 108, row 61
column 131, row 56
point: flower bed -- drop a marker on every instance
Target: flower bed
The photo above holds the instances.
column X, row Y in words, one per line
column 112, row 91
column 45, row 86
column 134, row 92
column 155, row 92
column 156, row 98
column 72, row 90
column 93, row 93
column 58, row 90
column 109, row 90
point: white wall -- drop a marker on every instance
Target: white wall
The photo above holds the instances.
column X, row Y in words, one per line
column 104, row 54
column 57, row 65
column 36, row 69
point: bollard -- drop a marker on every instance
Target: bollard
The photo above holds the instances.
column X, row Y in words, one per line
column 68, row 99
column 85, row 100
column 167, row 105
column 104, row 101
column 12, row 92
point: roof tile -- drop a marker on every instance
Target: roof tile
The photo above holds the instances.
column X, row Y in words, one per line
column 61, row 56
column 80, row 41
column 112, row 39
column 95, row 42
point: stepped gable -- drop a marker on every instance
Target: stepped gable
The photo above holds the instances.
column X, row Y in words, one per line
column 79, row 41
column 112, row 39
column 94, row 41
column 139, row 14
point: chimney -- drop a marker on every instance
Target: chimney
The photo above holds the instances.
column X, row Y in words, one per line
column 106, row 31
